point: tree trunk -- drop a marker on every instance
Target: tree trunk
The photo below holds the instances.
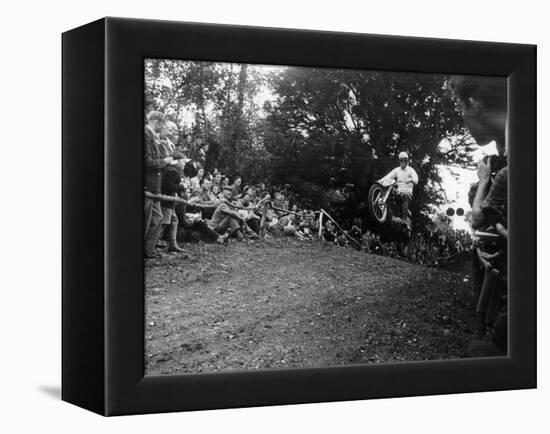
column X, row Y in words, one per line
column 238, row 126
column 241, row 87
column 203, row 103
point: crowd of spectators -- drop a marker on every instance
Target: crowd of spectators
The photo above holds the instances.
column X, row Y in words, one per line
column 213, row 206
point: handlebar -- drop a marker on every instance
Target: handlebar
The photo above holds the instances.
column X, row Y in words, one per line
column 386, row 183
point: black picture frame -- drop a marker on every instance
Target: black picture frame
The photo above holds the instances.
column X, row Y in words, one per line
column 103, row 277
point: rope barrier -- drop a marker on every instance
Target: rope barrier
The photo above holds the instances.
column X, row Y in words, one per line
column 177, row 199
column 340, row 227
column 264, row 205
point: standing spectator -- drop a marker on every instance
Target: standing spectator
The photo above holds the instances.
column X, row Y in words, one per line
column 202, row 152
column 168, row 137
column 153, row 164
column 186, row 144
column 191, row 167
column 171, row 178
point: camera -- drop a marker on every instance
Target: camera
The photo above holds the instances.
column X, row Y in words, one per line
column 496, row 162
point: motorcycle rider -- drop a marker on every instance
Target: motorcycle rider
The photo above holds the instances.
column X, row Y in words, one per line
column 406, row 178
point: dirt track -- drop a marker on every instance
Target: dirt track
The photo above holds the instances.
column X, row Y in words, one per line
column 284, row 303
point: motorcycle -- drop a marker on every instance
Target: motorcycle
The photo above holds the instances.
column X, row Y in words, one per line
column 384, row 208
column 383, row 204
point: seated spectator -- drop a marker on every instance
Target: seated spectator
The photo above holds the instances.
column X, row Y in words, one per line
column 217, row 181
column 194, row 228
column 376, row 245
column 236, row 187
column 225, row 218
column 329, row 233
column 355, row 232
column 251, row 193
column 366, row 241
column 279, row 202
column 309, row 219
column 207, row 201
column 196, row 180
column 271, row 216
column 291, row 230
column 251, row 217
column 215, row 191
column 341, row 239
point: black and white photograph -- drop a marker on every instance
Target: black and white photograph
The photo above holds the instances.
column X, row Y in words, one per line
column 303, row 217
column 275, row 217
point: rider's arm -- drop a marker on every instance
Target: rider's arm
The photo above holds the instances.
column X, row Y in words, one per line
column 390, row 176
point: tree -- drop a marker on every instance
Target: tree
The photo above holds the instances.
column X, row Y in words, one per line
column 344, row 129
column 214, row 102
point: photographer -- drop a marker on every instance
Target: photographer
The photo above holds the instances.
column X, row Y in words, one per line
column 484, row 107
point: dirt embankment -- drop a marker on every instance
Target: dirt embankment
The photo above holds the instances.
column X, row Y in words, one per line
column 283, row 303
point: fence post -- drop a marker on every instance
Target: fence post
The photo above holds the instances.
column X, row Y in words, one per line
column 321, row 224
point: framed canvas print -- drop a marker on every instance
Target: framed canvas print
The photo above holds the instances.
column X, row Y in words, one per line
column 258, row 216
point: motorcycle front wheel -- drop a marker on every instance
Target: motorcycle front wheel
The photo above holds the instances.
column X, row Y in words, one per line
column 378, row 209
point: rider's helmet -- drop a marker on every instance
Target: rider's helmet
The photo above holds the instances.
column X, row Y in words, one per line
column 403, row 156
